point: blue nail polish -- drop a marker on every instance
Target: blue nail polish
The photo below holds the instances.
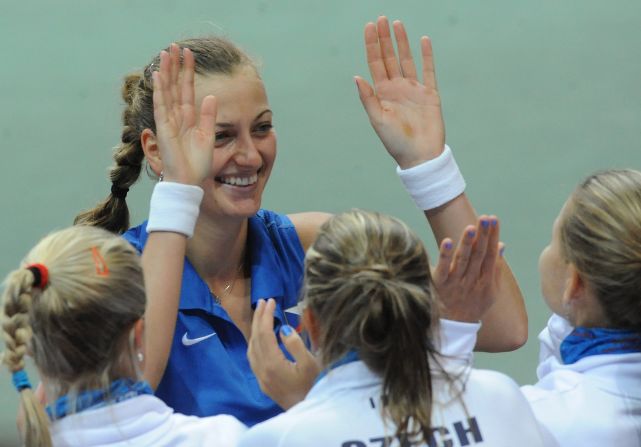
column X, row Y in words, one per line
column 286, row 330
column 485, row 224
column 471, row 233
column 501, row 251
column 448, row 245
column 494, row 222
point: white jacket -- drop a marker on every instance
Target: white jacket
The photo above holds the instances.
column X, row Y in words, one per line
column 593, row 402
column 343, row 409
column 144, row 421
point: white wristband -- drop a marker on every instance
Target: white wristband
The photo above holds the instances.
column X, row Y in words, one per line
column 434, row 182
column 174, row 207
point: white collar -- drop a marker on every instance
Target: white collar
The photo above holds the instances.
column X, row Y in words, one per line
column 615, row 373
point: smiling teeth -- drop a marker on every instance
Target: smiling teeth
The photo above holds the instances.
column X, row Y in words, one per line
column 240, row 181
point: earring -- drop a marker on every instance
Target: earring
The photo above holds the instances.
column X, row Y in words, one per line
column 140, row 357
column 162, row 176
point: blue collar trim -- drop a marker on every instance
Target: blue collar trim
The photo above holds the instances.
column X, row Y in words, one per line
column 584, row 342
column 119, row 390
column 265, row 270
column 351, row 356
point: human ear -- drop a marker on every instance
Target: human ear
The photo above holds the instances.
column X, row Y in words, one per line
column 574, row 292
column 310, row 323
column 151, row 150
column 139, row 337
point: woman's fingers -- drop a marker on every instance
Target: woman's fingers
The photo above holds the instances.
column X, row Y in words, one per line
column 160, row 111
column 374, row 57
column 387, row 48
column 479, row 249
column 207, row 122
column 263, row 352
column 174, row 70
column 187, row 95
column 268, row 342
column 405, row 58
column 429, row 73
column 494, row 246
column 463, row 252
column 440, row 275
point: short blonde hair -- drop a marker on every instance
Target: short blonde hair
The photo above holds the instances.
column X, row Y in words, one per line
column 76, row 327
column 601, row 236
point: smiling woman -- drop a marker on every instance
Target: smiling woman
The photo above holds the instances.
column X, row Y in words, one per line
column 200, row 321
column 263, row 251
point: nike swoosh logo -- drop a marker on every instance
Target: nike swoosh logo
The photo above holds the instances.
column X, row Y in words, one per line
column 192, row 341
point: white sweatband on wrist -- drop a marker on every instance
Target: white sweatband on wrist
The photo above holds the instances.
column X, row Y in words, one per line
column 434, row 182
column 174, row 207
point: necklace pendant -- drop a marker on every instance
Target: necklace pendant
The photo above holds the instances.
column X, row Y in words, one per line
column 215, row 297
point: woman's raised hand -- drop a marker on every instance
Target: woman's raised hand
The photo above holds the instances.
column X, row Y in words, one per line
column 405, row 113
column 185, row 140
column 466, row 280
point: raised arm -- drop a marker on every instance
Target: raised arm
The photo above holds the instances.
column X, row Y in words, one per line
column 406, row 115
column 182, row 149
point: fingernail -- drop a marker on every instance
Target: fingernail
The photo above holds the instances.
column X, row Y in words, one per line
column 494, row 222
column 485, row 223
column 448, row 245
column 471, row 233
column 501, row 251
column 286, row 330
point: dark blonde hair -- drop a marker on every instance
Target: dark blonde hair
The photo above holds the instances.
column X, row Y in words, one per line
column 212, row 55
column 367, row 280
column 77, row 326
column 601, row 235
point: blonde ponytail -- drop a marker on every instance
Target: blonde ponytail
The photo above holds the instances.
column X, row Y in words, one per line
column 367, row 280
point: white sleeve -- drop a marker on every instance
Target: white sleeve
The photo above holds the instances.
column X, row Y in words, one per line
column 261, row 435
column 456, row 338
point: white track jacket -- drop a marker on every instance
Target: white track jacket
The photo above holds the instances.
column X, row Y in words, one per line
column 593, row 402
column 343, row 409
column 144, row 421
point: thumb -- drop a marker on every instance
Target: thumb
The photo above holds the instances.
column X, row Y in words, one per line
column 368, row 98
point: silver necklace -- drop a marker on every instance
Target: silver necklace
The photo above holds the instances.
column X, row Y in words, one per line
column 228, row 288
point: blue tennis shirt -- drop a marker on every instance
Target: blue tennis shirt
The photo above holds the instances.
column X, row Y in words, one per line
column 208, row 372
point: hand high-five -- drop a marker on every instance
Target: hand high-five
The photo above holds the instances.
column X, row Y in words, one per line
column 186, row 146
column 405, row 113
column 466, row 280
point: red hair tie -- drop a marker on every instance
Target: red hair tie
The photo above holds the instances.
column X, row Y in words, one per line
column 40, row 275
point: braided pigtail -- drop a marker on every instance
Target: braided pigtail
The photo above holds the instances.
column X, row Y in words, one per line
column 112, row 213
column 18, row 298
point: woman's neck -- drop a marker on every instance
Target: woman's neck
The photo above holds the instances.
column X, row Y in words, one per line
column 217, row 248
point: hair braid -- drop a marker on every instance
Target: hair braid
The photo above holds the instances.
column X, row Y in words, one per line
column 17, row 332
column 112, row 213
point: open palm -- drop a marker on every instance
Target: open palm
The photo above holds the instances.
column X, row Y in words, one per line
column 186, row 146
column 405, row 113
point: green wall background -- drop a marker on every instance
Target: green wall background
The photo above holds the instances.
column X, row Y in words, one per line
column 536, row 95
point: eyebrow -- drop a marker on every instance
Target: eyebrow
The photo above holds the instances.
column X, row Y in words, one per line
column 223, row 125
